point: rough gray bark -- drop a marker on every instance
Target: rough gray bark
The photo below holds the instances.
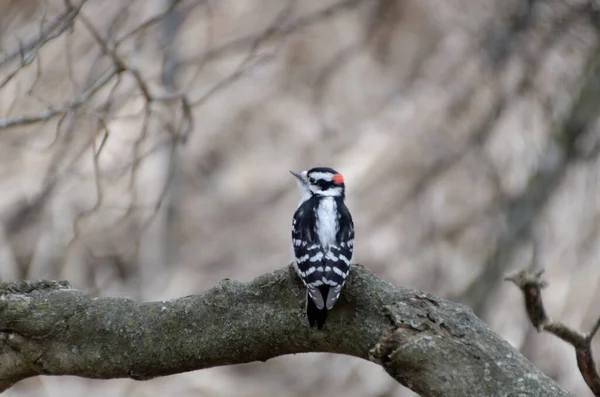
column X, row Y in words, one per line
column 433, row 346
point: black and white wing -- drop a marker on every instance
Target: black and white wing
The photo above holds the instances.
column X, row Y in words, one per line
column 339, row 256
column 308, row 252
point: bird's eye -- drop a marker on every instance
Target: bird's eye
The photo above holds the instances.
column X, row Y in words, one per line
column 312, row 180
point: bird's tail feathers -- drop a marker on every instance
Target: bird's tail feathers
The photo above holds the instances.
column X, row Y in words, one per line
column 315, row 315
column 317, row 295
column 332, row 296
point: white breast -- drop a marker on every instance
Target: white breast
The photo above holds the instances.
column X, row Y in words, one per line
column 327, row 221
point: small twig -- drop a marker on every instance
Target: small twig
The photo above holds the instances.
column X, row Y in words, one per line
column 594, row 330
column 155, row 19
column 56, row 28
column 73, row 104
column 26, row 60
column 119, row 63
column 279, row 32
column 531, row 284
column 240, row 71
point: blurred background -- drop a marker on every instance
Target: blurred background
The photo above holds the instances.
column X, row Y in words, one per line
column 145, row 148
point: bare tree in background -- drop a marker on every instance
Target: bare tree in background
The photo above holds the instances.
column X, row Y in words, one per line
column 144, row 149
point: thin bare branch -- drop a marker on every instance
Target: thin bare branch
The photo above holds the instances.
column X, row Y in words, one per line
column 26, row 60
column 279, row 32
column 531, row 284
column 240, row 71
column 60, row 25
column 120, row 64
column 74, row 104
column 594, row 330
column 149, row 22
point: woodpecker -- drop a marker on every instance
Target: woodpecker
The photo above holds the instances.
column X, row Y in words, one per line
column 322, row 240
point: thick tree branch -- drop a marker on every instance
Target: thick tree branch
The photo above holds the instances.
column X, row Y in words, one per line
column 434, row 347
column 531, row 284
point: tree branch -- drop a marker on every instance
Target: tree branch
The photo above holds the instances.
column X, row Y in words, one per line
column 531, row 284
column 434, row 347
column 73, row 104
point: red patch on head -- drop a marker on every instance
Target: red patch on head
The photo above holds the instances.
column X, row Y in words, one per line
column 338, row 179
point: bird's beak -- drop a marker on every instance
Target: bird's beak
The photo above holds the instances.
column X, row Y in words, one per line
column 299, row 176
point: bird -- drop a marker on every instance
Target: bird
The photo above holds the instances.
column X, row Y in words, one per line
column 322, row 240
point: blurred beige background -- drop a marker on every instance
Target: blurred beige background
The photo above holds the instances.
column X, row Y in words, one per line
column 145, row 148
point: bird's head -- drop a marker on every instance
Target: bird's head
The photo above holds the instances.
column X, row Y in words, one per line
column 320, row 181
